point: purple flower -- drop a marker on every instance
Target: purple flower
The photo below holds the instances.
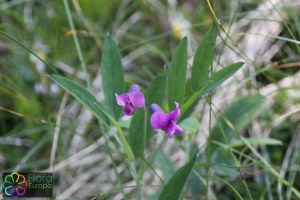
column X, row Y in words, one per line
column 165, row 121
column 131, row 100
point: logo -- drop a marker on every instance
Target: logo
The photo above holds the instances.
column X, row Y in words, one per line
column 22, row 185
column 15, row 185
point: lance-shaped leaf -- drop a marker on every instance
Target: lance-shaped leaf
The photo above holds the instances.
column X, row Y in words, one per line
column 203, row 59
column 81, row 95
column 174, row 187
column 256, row 141
column 165, row 164
column 217, row 79
column 112, row 74
column 176, row 74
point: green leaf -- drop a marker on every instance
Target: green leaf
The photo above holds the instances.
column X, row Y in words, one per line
column 220, row 76
column 190, row 125
column 165, row 165
column 203, row 59
column 112, row 75
column 256, row 141
column 176, row 74
column 174, row 187
column 234, row 119
column 224, row 163
column 196, row 183
column 217, row 79
column 154, row 94
column 81, row 95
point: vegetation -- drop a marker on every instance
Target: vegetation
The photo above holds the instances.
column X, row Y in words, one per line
column 232, row 66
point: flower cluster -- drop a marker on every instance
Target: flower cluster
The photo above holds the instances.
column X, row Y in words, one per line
column 134, row 99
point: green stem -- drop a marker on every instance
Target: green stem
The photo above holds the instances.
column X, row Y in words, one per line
column 231, row 187
column 77, row 45
column 113, row 161
column 145, row 129
column 219, row 23
column 245, row 184
column 143, row 164
column 209, row 123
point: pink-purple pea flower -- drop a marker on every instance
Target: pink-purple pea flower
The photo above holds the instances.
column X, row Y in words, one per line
column 131, row 100
column 165, row 121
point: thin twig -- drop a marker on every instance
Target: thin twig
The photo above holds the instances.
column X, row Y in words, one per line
column 60, row 114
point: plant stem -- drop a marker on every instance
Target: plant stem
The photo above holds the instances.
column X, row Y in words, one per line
column 119, row 180
column 145, row 129
column 245, row 184
column 77, row 45
column 219, row 23
column 143, row 164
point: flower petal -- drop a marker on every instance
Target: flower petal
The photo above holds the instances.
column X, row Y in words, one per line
column 134, row 88
column 137, row 99
column 128, row 109
column 178, row 130
column 159, row 120
column 175, row 114
column 122, row 99
column 154, row 107
column 170, row 129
